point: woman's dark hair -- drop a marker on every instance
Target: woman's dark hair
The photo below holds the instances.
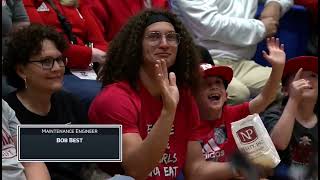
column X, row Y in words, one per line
column 25, row 43
column 125, row 57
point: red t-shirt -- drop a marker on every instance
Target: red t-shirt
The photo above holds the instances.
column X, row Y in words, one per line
column 84, row 28
column 138, row 111
column 216, row 136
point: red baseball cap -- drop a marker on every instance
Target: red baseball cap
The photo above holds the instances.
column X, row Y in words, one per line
column 225, row 72
column 307, row 63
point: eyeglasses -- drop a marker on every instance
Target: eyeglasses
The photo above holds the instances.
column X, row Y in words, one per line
column 47, row 63
column 172, row 38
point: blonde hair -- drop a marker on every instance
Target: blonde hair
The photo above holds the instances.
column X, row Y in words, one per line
column 73, row 3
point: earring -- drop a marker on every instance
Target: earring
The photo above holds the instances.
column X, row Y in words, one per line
column 25, row 83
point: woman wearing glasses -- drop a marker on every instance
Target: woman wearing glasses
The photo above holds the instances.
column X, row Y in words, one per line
column 75, row 20
column 35, row 66
column 150, row 73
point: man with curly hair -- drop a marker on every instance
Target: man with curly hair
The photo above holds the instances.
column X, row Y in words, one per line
column 150, row 74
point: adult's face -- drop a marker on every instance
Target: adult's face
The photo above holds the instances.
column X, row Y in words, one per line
column 45, row 71
column 160, row 42
column 211, row 95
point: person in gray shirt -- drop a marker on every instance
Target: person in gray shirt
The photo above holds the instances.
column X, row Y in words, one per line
column 11, row 168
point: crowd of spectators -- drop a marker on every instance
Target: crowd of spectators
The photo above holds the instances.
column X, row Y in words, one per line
column 174, row 73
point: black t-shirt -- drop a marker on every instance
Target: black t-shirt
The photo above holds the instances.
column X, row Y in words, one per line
column 65, row 109
column 303, row 142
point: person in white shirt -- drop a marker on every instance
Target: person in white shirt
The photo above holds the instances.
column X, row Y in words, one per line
column 229, row 31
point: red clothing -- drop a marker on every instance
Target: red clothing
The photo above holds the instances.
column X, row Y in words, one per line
column 114, row 14
column 84, row 28
column 118, row 103
column 217, row 141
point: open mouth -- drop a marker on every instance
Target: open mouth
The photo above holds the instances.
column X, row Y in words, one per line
column 214, row 97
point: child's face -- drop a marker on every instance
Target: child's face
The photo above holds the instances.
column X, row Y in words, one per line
column 211, row 95
column 310, row 93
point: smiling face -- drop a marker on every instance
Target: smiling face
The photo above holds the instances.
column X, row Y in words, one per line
column 310, row 93
column 211, row 96
column 166, row 49
column 39, row 78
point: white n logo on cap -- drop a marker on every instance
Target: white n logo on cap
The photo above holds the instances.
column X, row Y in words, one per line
column 206, row 66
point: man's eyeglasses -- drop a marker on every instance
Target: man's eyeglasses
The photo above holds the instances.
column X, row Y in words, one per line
column 47, row 63
column 155, row 38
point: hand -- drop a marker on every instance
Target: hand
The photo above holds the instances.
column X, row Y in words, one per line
column 263, row 172
column 271, row 26
column 98, row 56
column 277, row 56
column 168, row 86
column 298, row 85
column 272, row 9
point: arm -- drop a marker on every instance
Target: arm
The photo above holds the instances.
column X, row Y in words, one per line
column 196, row 167
column 271, row 9
column 276, row 8
column 208, row 23
column 276, row 58
column 81, row 56
column 146, row 153
column 36, row 171
column 94, row 33
column 271, row 14
column 282, row 131
column 32, row 170
column 100, row 14
column 78, row 56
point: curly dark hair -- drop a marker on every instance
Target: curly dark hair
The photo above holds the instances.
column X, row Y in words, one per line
column 125, row 57
column 25, row 43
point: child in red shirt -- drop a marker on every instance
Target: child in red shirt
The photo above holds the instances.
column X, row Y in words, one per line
column 216, row 116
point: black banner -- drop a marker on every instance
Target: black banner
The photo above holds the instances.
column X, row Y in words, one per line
column 70, row 143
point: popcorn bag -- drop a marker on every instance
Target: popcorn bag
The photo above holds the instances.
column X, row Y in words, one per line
column 253, row 139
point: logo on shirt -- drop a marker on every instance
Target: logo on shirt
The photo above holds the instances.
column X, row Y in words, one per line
column 43, row 8
column 305, row 140
column 302, row 150
column 211, row 151
column 220, row 135
column 247, row 135
column 8, row 148
column 168, row 163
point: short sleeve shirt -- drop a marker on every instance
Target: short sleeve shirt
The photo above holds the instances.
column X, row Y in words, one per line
column 138, row 111
column 217, row 141
column 303, row 142
column 11, row 168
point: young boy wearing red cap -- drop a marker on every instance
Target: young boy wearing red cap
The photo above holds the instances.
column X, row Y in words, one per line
column 293, row 126
column 216, row 116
